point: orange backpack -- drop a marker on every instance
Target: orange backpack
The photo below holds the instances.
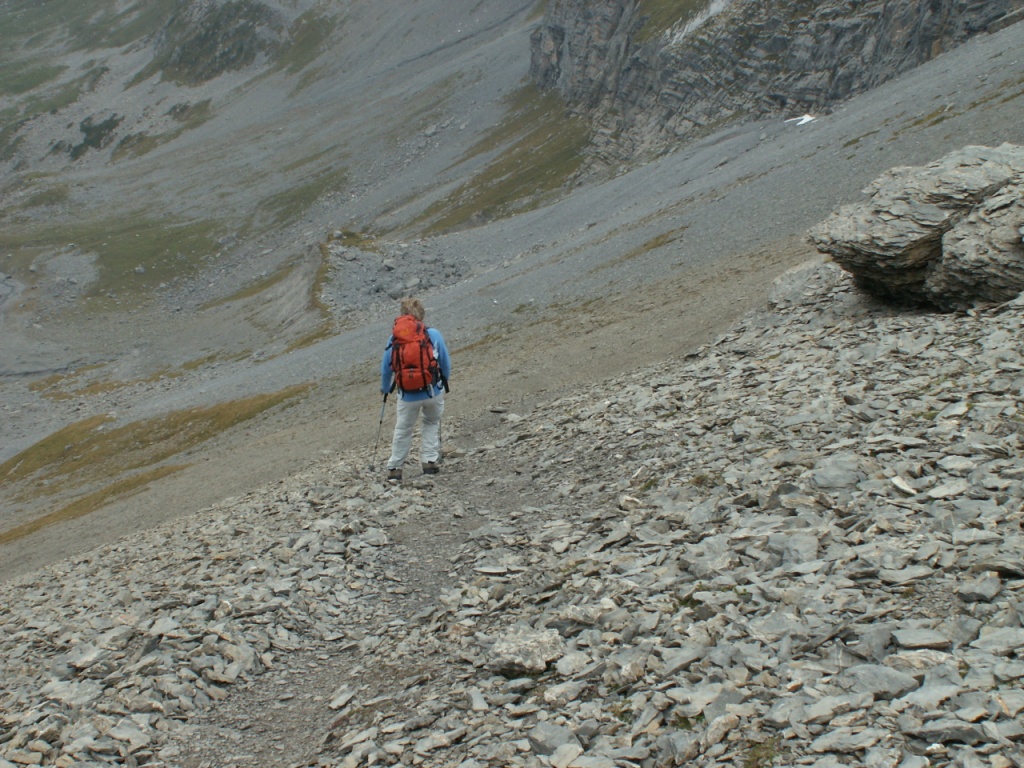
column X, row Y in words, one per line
column 413, row 358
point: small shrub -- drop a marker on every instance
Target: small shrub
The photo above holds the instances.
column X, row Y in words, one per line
column 763, row 755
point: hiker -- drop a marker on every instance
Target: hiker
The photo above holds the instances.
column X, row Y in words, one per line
column 415, row 363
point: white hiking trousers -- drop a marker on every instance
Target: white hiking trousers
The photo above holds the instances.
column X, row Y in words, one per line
column 408, row 412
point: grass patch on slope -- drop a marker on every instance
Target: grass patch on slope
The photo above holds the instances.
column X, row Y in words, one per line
column 106, row 461
column 659, row 16
column 307, row 39
column 289, row 206
column 63, row 95
column 253, row 289
column 538, row 11
column 135, row 253
column 422, row 108
column 316, row 304
column 188, row 116
column 90, row 503
column 58, row 194
column 70, row 386
column 83, row 25
column 653, row 244
column 19, row 79
column 39, row 101
column 91, row 450
column 539, row 148
column 199, row 43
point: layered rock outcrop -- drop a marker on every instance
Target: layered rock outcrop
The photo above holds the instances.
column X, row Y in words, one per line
column 950, row 234
column 647, row 86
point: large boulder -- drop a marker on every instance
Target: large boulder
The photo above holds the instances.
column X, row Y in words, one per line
column 949, row 234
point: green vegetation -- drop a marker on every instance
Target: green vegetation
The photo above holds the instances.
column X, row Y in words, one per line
column 61, row 386
column 134, row 252
column 352, row 239
column 58, row 194
column 419, row 109
column 192, row 115
column 490, row 339
column 188, row 115
column 539, row 10
column 316, row 304
column 307, row 39
column 137, row 21
column 858, row 139
column 684, row 723
column 86, row 26
column 623, row 711
column 933, row 118
column 309, row 76
column 317, row 158
column 49, row 100
column 50, row 451
column 289, row 206
column 706, row 480
column 321, row 332
column 62, row 96
column 97, row 135
column 139, row 144
column 213, row 357
column 90, row 503
column 658, row 241
column 253, row 289
column 648, row 485
column 24, row 78
column 659, row 16
column 763, row 755
column 1007, row 91
column 91, row 453
column 89, row 450
column 540, row 147
column 227, row 37
column 54, row 387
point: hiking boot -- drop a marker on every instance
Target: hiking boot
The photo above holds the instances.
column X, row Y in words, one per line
column 431, row 468
column 394, row 475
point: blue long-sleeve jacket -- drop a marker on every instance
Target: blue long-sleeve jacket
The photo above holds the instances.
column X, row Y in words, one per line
column 443, row 362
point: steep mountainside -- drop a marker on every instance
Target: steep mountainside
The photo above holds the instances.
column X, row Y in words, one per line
column 652, row 72
column 175, row 153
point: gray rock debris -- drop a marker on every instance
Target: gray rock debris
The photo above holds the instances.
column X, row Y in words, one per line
column 799, row 546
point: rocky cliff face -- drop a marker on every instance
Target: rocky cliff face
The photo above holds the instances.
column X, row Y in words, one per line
column 650, row 76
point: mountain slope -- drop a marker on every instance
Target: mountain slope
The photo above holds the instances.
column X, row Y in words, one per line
column 207, row 138
column 628, row 269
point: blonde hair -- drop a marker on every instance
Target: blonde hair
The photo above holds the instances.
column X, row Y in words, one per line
column 413, row 307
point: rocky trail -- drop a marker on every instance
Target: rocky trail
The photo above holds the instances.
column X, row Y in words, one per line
column 800, row 545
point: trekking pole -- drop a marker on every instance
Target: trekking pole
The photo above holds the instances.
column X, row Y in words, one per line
column 383, row 405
